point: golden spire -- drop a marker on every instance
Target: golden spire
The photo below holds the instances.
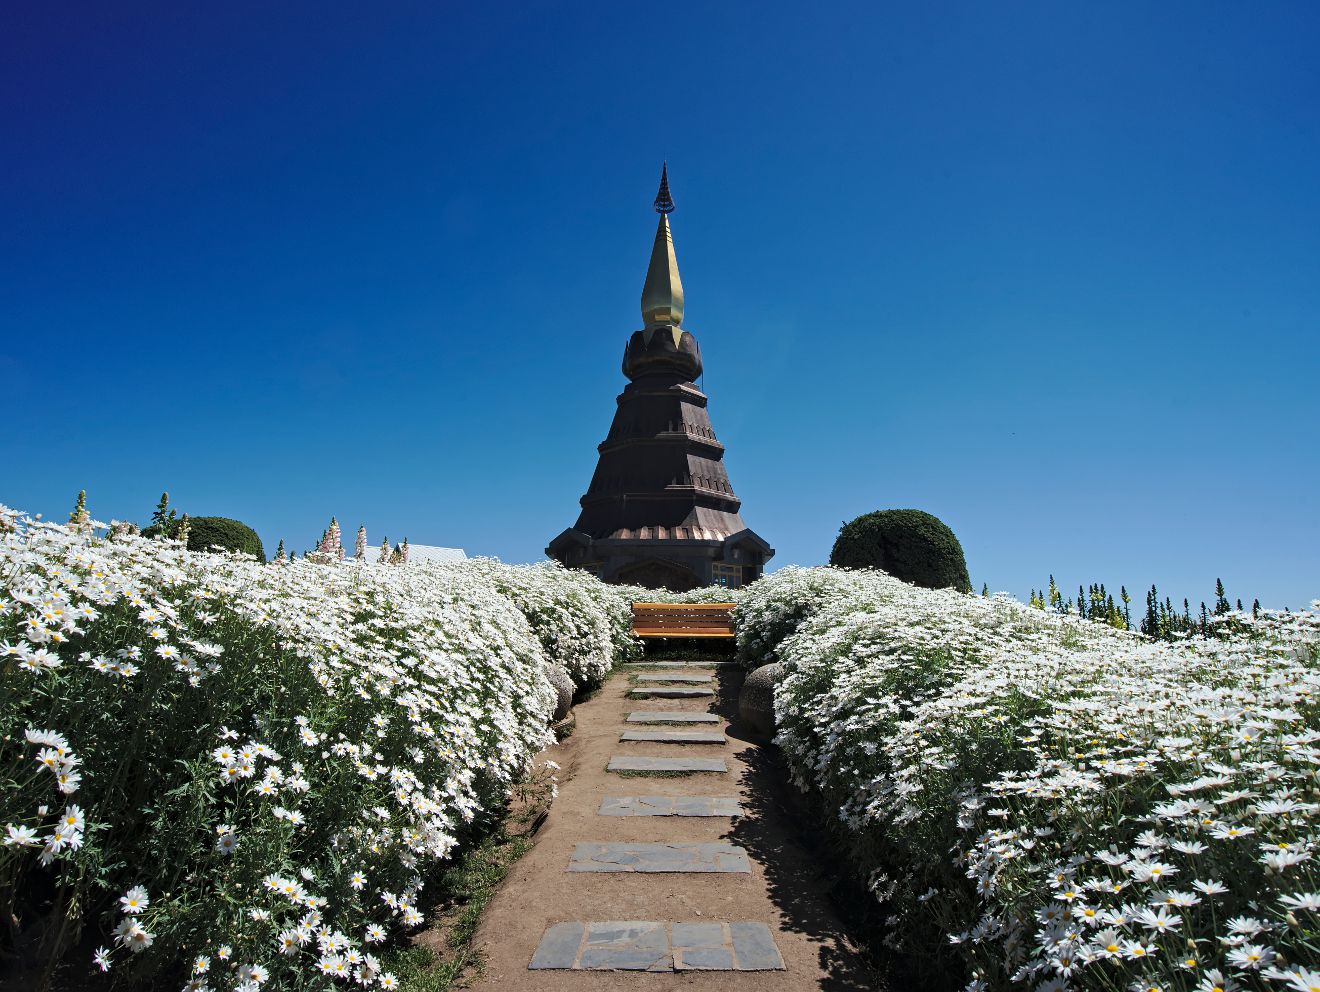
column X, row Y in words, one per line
column 662, row 294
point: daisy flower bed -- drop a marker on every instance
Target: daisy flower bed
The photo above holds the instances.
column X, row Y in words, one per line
column 1042, row 802
column 241, row 775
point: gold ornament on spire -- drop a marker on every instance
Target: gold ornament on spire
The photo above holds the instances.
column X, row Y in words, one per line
column 662, row 294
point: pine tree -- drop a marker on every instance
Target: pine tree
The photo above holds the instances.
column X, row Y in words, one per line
column 1150, row 623
column 1221, row 601
column 403, row 554
column 1127, row 606
column 280, row 554
column 1255, row 609
column 985, row 590
column 163, row 520
column 384, row 558
column 163, row 514
column 80, row 518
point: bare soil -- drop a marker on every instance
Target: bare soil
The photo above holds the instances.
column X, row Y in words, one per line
column 787, row 889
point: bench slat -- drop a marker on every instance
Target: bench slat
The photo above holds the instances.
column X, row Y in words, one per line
column 683, row 619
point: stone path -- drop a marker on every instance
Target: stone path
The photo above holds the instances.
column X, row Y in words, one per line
column 662, row 692
column 629, row 945
column 670, row 806
column 659, row 857
column 671, row 716
column 621, row 763
column 675, row 736
column 701, row 873
column 678, row 664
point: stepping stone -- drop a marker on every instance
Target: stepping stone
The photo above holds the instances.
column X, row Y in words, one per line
column 669, row 806
column 677, row 664
column 662, row 692
column 675, row 736
column 651, row 858
column 634, row 945
column 673, row 677
column 671, row 716
column 621, row 763
column 724, row 947
column 623, row 945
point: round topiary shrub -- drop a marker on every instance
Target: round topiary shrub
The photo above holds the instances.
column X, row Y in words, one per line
column 233, row 535
column 910, row 545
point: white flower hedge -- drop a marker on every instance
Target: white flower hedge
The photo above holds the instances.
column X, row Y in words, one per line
column 248, row 768
column 584, row 625
column 1054, row 803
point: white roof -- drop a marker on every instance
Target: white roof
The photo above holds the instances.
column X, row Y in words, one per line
column 427, row 552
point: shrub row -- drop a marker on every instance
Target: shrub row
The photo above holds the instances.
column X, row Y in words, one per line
column 242, row 775
column 1046, row 803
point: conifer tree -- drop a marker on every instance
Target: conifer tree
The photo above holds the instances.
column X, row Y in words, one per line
column 1221, row 601
column 1255, row 609
column 985, row 590
column 163, row 514
column 384, row 558
column 1127, row 606
column 280, row 554
column 360, row 549
column 80, row 518
column 163, row 521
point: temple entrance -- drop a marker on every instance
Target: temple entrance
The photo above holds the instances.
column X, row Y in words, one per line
column 658, row 574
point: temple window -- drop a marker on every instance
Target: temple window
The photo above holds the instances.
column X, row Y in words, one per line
column 729, row 576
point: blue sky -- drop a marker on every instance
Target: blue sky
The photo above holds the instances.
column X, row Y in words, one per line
column 1049, row 271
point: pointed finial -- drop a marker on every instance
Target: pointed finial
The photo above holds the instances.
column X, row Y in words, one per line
column 664, row 203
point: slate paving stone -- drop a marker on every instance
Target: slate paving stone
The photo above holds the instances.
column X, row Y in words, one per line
column 671, row 716
column 674, row 677
column 677, row 664
column 649, row 858
column 661, row 692
column 669, row 806
column 754, row 948
column 634, row 945
column 627, row 946
column 559, row 947
column 675, row 736
column 623, row 763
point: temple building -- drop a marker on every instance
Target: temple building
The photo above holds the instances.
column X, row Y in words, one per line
column 660, row 511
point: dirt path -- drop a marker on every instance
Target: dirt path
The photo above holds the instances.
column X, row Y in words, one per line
column 785, row 889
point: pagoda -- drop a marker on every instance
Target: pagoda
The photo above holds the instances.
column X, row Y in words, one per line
column 660, row 511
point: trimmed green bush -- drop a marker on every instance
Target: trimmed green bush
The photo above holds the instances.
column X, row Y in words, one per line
column 911, row 545
column 233, row 535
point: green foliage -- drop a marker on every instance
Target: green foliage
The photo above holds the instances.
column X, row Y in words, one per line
column 164, row 521
column 911, row 545
column 232, row 535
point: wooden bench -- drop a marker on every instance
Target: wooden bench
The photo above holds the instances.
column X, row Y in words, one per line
column 683, row 619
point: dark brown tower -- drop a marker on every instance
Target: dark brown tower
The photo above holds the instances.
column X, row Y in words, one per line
column 660, row 511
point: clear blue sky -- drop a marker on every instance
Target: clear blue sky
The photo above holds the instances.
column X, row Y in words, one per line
column 1049, row 271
